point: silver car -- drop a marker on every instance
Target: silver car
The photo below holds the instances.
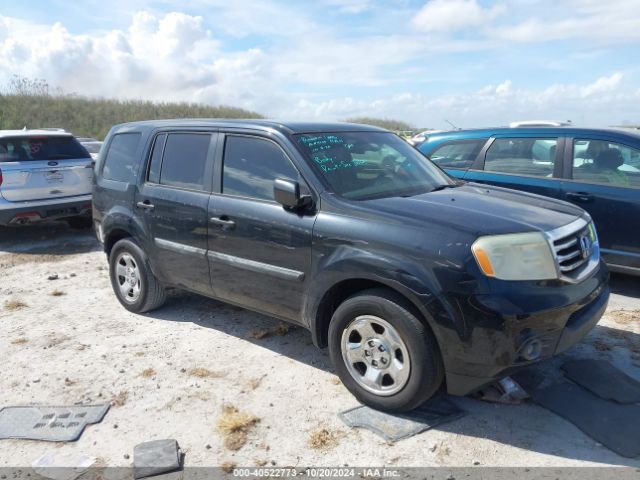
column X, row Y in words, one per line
column 44, row 175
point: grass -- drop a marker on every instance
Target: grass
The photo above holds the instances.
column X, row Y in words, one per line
column 19, row 341
column 14, row 304
column 255, row 382
column 120, row 399
column 235, row 426
column 204, row 373
column 148, row 373
column 323, row 439
column 280, row 329
column 57, row 293
column 227, row 466
column 625, row 317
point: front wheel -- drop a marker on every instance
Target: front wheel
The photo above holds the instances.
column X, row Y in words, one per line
column 384, row 355
column 133, row 282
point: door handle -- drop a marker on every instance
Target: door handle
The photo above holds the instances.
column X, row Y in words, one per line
column 579, row 196
column 145, row 205
column 223, row 221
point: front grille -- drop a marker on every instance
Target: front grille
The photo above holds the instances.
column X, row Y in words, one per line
column 569, row 252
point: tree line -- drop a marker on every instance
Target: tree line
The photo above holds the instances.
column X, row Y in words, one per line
column 33, row 103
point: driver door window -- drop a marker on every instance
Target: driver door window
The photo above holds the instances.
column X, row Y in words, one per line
column 251, row 165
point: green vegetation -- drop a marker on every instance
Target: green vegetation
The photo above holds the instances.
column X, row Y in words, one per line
column 389, row 124
column 32, row 103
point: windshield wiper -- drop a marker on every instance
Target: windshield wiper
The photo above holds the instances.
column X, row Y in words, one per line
column 443, row 186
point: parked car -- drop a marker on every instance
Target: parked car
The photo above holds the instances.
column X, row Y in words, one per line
column 410, row 279
column 44, row 175
column 422, row 136
column 93, row 147
column 597, row 169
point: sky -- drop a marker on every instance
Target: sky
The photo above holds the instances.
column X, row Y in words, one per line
column 469, row 62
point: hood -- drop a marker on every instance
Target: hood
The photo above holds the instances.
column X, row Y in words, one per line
column 480, row 209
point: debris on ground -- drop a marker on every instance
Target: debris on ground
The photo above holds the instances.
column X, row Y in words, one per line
column 14, row 304
column 235, row 426
column 55, row 424
column 323, row 439
column 120, row 399
column 156, row 457
column 205, row 373
column 279, row 330
column 395, row 427
column 506, row 391
column 603, row 379
column 62, row 466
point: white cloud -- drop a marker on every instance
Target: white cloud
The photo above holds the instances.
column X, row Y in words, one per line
column 614, row 21
column 316, row 74
column 602, row 85
column 173, row 54
column 599, row 103
column 453, row 15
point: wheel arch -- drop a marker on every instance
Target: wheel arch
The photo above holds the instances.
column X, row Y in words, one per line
column 339, row 291
column 113, row 237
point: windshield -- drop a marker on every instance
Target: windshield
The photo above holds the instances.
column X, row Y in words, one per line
column 366, row 165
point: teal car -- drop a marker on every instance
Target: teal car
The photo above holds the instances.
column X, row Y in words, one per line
column 597, row 169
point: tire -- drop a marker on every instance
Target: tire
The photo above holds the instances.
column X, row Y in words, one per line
column 80, row 223
column 143, row 292
column 406, row 342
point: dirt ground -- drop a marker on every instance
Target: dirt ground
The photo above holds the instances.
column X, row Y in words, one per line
column 235, row 387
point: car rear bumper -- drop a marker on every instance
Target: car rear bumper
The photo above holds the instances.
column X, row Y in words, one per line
column 20, row 213
column 501, row 337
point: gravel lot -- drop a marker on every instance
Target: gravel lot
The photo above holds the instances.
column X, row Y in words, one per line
column 170, row 373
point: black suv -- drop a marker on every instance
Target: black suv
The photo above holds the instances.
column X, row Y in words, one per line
column 410, row 278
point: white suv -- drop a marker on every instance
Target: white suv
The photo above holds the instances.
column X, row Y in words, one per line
column 44, row 175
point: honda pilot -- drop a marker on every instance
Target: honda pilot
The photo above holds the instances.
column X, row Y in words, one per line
column 414, row 281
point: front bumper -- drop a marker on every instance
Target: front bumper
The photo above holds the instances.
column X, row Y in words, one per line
column 493, row 334
column 17, row 213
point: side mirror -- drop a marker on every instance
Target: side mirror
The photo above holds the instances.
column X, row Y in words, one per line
column 287, row 194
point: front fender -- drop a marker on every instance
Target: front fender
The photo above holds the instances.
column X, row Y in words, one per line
column 407, row 277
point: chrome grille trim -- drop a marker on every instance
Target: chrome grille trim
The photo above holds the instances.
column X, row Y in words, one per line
column 565, row 245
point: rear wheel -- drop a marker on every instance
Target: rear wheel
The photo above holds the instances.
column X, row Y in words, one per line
column 383, row 354
column 133, row 282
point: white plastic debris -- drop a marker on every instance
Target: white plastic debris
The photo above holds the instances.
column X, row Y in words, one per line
column 61, row 466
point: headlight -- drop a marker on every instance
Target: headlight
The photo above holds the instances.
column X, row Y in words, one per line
column 516, row 256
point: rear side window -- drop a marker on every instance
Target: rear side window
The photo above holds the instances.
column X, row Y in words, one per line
column 608, row 163
column 184, row 162
column 120, row 164
column 251, row 165
column 522, row 156
column 21, row 149
column 457, row 154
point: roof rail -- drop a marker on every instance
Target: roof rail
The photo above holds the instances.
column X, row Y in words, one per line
column 539, row 123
